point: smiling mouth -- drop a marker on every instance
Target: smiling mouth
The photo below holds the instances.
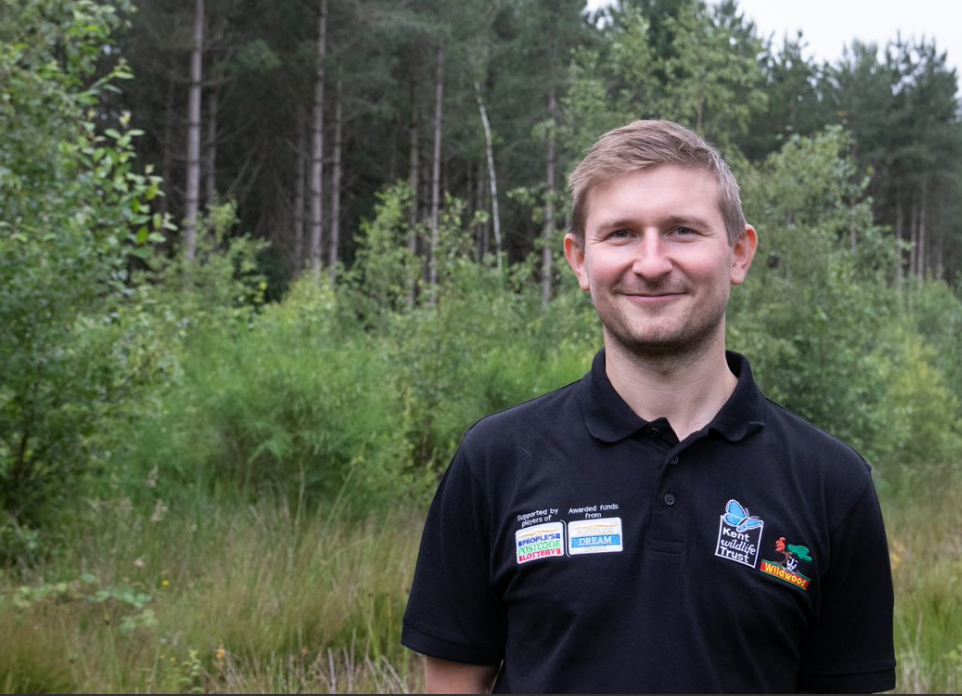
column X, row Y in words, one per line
column 645, row 298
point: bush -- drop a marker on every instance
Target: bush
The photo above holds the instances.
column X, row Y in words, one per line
column 814, row 309
column 283, row 405
column 74, row 210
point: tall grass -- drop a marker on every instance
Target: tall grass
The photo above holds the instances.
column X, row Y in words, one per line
column 925, row 539
column 251, row 599
column 267, row 598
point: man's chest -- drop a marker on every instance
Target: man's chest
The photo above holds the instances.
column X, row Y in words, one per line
column 654, row 535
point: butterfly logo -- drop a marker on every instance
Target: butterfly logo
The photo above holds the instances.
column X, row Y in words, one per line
column 738, row 517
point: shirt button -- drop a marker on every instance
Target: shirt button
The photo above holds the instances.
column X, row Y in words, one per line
column 669, row 499
column 673, row 460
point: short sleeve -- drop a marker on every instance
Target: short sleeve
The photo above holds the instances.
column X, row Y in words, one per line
column 850, row 647
column 452, row 613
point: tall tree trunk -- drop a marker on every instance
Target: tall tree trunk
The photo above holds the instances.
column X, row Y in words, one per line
column 300, row 176
column 899, row 236
column 938, row 243
column 211, row 164
column 471, row 208
column 492, row 176
column 336, row 182
column 547, row 237
column 914, row 233
column 414, row 171
column 192, row 205
column 483, row 227
column 168, row 156
column 922, row 239
column 414, row 183
column 317, row 143
column 436, row 168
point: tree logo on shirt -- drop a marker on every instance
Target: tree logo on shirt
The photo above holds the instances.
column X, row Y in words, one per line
column 739, row 535
column 786, row 569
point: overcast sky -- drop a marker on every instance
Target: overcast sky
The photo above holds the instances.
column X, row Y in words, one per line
column 828, row 25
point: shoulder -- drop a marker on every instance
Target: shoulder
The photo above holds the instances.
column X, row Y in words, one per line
column 805, row 435
column 559, row 409
column 817, row 461
column 544, row 417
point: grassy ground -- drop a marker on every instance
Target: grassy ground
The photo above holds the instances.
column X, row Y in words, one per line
column 262, row 599
column 253, row 600
column 925, row 540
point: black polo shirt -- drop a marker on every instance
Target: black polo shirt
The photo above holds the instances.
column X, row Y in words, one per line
column 592, row 551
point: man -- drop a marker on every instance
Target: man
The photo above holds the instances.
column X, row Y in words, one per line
column 658, row 526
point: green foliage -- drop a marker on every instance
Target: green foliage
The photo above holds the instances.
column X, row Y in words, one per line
column 312, row 419
column 710, row 80
column 92, row 319
column 923, row 427
column 385, row 272
column 713, row 78
column 128, row 604
column 812, row 313
column 936, row 315
column 370, row 394
column 74, row 210
column 212, row 458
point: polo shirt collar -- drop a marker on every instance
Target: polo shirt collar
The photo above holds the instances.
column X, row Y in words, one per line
column 609, row 419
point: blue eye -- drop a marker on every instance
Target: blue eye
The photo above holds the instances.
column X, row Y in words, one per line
column 684, row 231
column 620, row 234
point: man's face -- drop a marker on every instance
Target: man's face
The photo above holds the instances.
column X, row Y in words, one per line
column 657, row 260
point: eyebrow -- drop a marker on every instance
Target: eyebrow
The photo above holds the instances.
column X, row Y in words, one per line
column 670, row 221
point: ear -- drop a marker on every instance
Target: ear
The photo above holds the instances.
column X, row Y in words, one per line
column 743, row 253
column 575, row 254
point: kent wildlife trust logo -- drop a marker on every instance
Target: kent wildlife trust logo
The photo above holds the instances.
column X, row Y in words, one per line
column 739, row 535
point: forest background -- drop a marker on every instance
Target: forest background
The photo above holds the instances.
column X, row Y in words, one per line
column 264, row 261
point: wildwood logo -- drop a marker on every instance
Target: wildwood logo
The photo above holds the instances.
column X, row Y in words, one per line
column 775, row 570
column 786, row 570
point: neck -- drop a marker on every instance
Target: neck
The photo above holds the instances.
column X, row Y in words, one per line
column 688, row 390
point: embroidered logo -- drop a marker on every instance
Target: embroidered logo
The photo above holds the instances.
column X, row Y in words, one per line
column 595, row 536
column 541, row 541
column 739, row 535
column 786, row 569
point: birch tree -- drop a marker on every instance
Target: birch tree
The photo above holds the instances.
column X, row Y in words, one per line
column 436, row 167
column 317, row 143
column 336, row 175
column 548, row 234
column 492, row 176
column 300, row 177
column 192, row 205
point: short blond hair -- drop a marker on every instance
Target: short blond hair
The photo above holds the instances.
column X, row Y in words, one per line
column 645, row 144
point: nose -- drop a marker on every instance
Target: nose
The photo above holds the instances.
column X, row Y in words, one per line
column 651, row 257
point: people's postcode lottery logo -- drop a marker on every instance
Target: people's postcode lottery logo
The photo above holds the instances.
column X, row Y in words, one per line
column 542, row 541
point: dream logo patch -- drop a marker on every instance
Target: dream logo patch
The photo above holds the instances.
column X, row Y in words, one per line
column 542, row 541
column 786, row 569
column 595, row 536
column 739, row 535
